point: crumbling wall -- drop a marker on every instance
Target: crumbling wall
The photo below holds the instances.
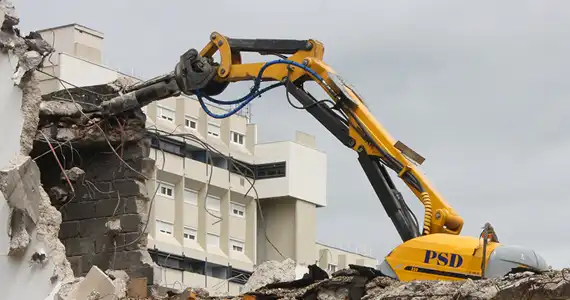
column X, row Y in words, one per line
column 32, row 259
column 101, row 191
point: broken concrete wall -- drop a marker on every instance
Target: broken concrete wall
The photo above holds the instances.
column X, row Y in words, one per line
column 32, row 259
column 102, row 193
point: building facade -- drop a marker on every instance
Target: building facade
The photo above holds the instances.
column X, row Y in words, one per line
column 223, row 202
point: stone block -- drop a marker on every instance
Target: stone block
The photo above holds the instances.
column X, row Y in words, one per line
column 78, row 211
column 101, row 260
column 92, row 227
column 109, row 190
column 79, row 246
column 109, row 207
column 106, row 243
column 109, row 170
column 132, row 205
column 128, row 259
column 131, row 223
column 69, row 229
column 120, row 243
column 131, row 241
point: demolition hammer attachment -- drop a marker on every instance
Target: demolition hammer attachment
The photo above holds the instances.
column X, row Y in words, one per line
column 192, row 72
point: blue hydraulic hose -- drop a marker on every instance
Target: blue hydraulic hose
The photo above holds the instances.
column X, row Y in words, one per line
column 239, row 107
column 255, row 91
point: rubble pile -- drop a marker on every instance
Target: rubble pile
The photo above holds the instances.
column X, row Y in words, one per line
column 360, row 282
column 271, row 272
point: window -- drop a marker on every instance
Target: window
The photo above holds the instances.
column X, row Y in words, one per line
column 164, row 227
column 220, row 272
column 214, row 129
column 168, row 262
column 213, row 240
column 331, row 268
column 190, row 122
column 236, row 245
column 190, row 196
column 166, row 190
column 165, row 113
column 189, row 233
column 237, row 138
column 237, row 210
column 213, row 203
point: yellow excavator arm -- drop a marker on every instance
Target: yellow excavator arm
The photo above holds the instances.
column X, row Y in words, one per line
column 347, row 117
column 438, row 251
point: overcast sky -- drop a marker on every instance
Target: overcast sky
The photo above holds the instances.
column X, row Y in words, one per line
column 478, row 88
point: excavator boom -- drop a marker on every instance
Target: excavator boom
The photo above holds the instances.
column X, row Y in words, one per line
column 435, row 252
column 347, row 117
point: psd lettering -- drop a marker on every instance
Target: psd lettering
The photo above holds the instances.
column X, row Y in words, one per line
column 443, row 259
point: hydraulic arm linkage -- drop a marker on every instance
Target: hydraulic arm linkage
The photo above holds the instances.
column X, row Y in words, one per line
column 346, row 115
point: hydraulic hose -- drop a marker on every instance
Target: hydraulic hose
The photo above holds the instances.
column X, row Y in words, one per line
column 428, row 212
column 255, row 90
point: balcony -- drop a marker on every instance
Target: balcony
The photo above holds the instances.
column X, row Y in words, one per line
column 167, row 162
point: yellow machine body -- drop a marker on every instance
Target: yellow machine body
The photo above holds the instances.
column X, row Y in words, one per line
column 439, row 257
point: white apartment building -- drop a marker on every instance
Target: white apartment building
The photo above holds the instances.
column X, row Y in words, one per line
column 206, row 229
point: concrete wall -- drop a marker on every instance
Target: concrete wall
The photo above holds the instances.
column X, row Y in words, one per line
column 110, row 192
column 306, row 177
column 28, row 223
column 76, row 40
column 287, row 230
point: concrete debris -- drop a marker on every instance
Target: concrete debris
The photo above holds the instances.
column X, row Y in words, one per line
column 79, row 119
column 58, row 195
column 19, row 185
column 366, row 283
column 8, row 15
column 95, row 285
column 29, row 51
column 75, row 175
column 35, row 42
column 120, row 281
column 122, row 83
column 19, row 237
column 58, row 108
column 47, row 231
column 113, row 226
column 271, row 272
column 31, row 98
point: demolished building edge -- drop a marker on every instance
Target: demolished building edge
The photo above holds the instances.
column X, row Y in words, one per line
column 34, row 264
